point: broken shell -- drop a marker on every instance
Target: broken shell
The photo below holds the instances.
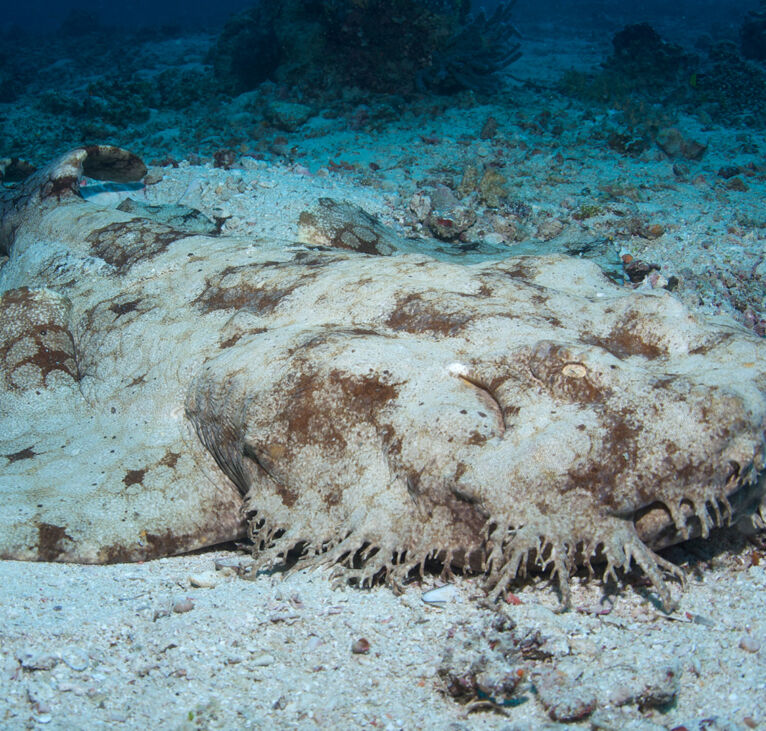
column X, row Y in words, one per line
column 440, row 595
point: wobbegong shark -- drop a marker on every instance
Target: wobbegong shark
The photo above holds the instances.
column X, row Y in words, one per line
column 163, row 390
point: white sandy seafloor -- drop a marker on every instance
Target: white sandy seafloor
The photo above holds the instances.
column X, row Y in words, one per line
column 89, row 647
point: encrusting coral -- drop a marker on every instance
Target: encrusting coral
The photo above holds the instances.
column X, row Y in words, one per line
column 368, row 411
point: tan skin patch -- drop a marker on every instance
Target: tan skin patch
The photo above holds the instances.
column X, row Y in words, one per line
column 617, row 455
column 124, row 244
column 626, row 340
column 234, row 289
column 414, row 314
column 39, row 335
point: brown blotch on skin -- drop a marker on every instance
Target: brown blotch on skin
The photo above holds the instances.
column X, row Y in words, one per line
column 164, row 544
column 234, row 339
column 54, row 352
column 333, row 498
column 307, row 414
column 485, row 290
column 287, row 495
column 663, row 383
column 152, row 544
column 123, row 244
column 476, row 438
column 49, row 538
column 62, row 186
column 519, row 270
column 413, row 314
column 49, row 358
column 244, row 294
column 170, row 459
column 626, row 340
column 30, row 315
column 134, row 477
column 105, row 162
column 316, row 409
column 709, row 343
column 19, row 296
column 617, row 455
column 26, row 453
column 229, row 342
column 122, row 308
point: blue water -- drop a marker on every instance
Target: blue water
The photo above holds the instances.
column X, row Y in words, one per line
column 46, row 15
column 155, row 74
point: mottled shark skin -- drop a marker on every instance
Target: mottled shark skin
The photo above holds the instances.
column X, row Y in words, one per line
column 162, row 391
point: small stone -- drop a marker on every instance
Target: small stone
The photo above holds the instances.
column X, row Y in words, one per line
column 184, row 605
column 492, row 188
column 550, row 228
column 288, row 116
column 748, row 643
column 728, row 171
column 420, row 205
column 564, row 699
column 360, row 646
column 674, row 144
column 489, row 130
column 153, row 177
column 263, row 660
column 738, row 185
column 448, row 225
column 205, row 580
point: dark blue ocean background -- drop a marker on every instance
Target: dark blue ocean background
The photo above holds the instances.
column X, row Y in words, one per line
column 47, row 15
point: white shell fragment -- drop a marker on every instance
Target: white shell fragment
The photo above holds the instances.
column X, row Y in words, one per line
column 440, row 595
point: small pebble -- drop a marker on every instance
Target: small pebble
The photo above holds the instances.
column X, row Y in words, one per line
column 185, row 605
column 360, row 646
column 748, row 643
column 263, row 660
column 205, row 580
